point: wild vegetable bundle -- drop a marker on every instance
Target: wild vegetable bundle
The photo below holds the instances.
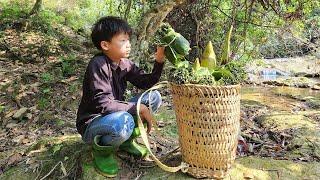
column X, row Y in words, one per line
column 176, row 46
column 210, row 66
column 208, row 69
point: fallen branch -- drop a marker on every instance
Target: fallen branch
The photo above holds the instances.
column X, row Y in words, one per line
column 138, row 177
column 252, row 139
column 62, row 168
column 167, row 155
column 37, row 151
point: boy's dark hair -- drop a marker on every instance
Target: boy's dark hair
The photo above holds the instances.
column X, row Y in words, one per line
column 106, row 27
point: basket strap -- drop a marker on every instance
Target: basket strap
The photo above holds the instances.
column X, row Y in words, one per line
column 183, row 166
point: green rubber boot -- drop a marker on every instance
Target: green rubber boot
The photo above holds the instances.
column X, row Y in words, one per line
column 104, row 159
column 132, row 147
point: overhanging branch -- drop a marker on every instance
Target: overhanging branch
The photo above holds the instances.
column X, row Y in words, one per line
column 244, row 22
column 153, row 18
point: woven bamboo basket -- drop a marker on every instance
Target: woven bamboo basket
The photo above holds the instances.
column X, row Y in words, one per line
column 208, row 119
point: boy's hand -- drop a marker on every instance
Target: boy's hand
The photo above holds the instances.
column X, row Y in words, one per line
column 146, row 117
column 160, row 54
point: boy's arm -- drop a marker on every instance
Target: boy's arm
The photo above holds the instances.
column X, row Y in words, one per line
column 142, row 80
column 103, row 99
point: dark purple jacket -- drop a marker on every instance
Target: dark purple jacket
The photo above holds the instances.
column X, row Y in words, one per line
column 104, row 85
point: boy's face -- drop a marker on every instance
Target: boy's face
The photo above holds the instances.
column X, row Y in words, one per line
column 119, row 46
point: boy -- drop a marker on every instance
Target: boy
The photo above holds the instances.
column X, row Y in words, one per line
column 104, row 119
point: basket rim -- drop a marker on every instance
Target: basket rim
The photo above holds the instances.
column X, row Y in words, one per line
column 203, row 85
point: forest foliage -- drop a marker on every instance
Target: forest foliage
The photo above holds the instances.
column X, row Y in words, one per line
column 267, row 29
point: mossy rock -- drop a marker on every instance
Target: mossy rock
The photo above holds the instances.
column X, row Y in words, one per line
column 157, row 173
column 284, row 121
column 313, row 102
column 264, row 97
column 306, row 144
column 305, row 140
column 18, row 172
column 54, row 153
column 312, row 98
column 251, row 103
column 253, row 167
column 267, row 168
column 302, row 82
column 79, row 165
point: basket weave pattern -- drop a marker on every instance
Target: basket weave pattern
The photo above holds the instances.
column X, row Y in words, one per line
column 208, row 119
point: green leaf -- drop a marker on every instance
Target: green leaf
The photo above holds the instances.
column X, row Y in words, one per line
column 66, row 158
column 56, row 148
column 183, row 64
column 202, row 71
column 226, row 48
column 2, row 108
column 46, row 90
column 221, row 73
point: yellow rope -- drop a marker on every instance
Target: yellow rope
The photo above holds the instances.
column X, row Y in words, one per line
column 183, row 166
column 165, row 45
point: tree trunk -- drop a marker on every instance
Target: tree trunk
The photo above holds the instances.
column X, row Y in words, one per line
column 126, row 14
column 36, row 8
column 148, row 25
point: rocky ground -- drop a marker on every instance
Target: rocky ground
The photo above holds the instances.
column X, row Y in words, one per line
column 280, row 135
column 40, row 94
column 301, row 72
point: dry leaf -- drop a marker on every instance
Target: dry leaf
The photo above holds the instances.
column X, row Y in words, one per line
column 11, row 125
column 9, row 114
column 20, row 113
column 15, row 158
column 160, row 124
column 72, row 78
column 277, row 147
column 25, row 141
column 63, row 169
column 18, row 139
column 248, row 175
column 250, row 147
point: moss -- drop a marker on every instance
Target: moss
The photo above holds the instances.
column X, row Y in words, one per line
column 167, row 116
column 267, row 168
column 90, row 173
column 17, row 173
column 312, row 98
column 60, row 122
column 305, row 141
column 284, row 121
column 50, row 151
column 257, row 168
column 157, row 173
column 69, row 149
column 251, row 103
column 261, row 62
column 296, row 92
column 313, row 102
column 293, row 82
column 265, row 97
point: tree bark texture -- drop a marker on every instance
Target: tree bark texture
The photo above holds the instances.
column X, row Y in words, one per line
column 36, row 8
column 150, row 22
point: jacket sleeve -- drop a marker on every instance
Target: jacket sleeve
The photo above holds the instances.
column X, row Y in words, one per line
column 102, row 97
column 140, row 79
